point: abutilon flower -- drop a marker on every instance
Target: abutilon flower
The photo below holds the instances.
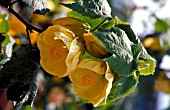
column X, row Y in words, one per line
column 92, row 80
column 59, row 50
column 94, row 46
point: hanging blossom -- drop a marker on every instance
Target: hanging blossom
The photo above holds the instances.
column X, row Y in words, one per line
column 59, row 50
column 61, row 47
column 92, row 80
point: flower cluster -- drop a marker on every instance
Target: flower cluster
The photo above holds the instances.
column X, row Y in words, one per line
column 61, row 49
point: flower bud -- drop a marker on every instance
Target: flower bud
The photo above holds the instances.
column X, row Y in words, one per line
column 94, row 46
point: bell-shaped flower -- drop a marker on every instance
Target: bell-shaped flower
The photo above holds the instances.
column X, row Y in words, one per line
column 92, row 80
column 59, row 50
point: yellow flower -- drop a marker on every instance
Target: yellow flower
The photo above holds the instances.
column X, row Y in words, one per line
column 92, row 80
column 152, row 43
column 162, row 83
column 94, row 46
column 17, row 28
column 1, row 20
column 74, row 25
column 59, row 50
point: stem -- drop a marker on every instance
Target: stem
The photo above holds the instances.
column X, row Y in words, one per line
column 98, row 25
column 27, row 24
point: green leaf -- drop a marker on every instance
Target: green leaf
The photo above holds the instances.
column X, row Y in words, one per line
column 128, row 30
column 91, row 8
column 8, row 44
column 146, row 63
column 118, row 44
column 87, row 55
column 2, row 38
column 108, row 24
column 28, row 107
column 7, row 40
column 4, row 25
column 139, row 52
column 3, row 17
column 123, row 86
column 27, row 101
column 18, row 75
column 136, row 49
column 161, row 25
column 93, row 23
column 31, row 94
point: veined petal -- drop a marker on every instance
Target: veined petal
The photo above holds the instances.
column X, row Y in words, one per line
column 74, row 54
column 108, row 85
column 85, row 82
column 49, row 34
column 93, row 65
column 50, row 37
column 56, row 67
column 67, row 32
column 40, row 43
column 110, row 77
column 67, row 40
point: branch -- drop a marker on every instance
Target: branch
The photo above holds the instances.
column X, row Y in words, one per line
column 27, row 24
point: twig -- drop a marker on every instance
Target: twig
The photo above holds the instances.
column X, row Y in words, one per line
column 28, row 34
column 27, row 24
column 10, row 4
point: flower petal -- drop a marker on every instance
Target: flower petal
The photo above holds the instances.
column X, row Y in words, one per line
column 85, row 82
column 93, row 65
column 74, row 54
column 54, row 66
column 44, row 49
column 67, row 40
column 74, row 25
column 49, row 34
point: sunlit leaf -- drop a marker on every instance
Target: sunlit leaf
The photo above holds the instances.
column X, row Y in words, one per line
column 7, row 40
column 143, row 55
column 161, row 25
column 91, row 8
column 8, row 45
column 39, row 6
column 93, row 23
column 128, row 30
column 28, row 107
column 118, row 44
column 4, row 25
column 122, row 87
column 31, row 94
column 146, row 63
